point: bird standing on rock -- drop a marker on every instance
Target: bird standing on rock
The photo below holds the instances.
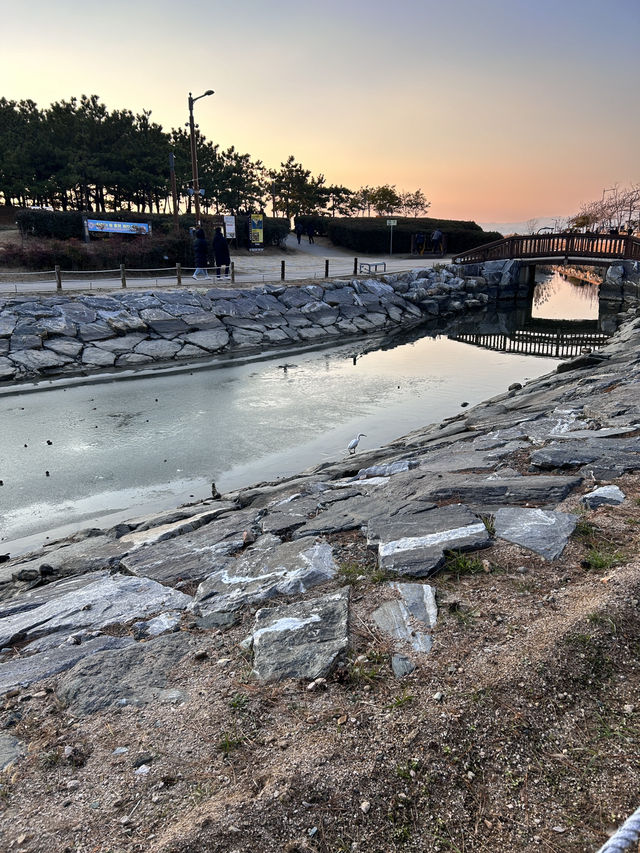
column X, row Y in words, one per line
column 351, row 447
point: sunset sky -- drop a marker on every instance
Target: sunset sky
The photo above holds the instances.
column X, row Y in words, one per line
column 500, row 110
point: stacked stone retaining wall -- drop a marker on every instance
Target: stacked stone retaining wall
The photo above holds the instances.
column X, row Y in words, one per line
column 82, row 334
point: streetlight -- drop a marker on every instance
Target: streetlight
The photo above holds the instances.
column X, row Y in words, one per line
column 194, row 157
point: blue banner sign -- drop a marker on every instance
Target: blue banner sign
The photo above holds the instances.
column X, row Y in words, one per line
column 106, row 226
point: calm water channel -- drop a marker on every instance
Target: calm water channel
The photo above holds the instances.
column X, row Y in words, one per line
column 131, row 445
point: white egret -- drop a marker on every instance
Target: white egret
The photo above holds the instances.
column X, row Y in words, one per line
column 351, row 447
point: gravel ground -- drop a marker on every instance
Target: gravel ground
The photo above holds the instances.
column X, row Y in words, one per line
column 518, row 732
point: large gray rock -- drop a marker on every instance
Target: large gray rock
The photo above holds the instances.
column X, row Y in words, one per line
column 211, row 340
column 496, row 490
column 7, row 325
column 159, row 350
column 137, row 674
column 193, row 555
column 98, row 331
column 544, row 531
column 267, row 569
column 64, row 346
column 410, row 618
column 611, row 495
column 414, row 544
column 162, row 322
column 123, row 343
column 34, row 361
column 604, row 457
column 98, row 357
column 7, row 369
column 302, row 640
column 29, row 669
column 105, row 599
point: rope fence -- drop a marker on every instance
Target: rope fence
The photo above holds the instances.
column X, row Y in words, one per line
column 271, row 271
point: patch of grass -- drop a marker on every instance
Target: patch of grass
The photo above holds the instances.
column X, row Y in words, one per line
column 459, row 563
column 489, row 523
column 239, row 701
column 354, row 573
column 369, row 670
column 409, row 769
column 405, row 698
column 600, row 559
column 228, row 743
column 50, row 759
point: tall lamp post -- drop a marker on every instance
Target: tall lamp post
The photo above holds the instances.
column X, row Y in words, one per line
column 194, row 156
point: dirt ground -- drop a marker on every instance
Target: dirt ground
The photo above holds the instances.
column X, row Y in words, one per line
column 519, row 731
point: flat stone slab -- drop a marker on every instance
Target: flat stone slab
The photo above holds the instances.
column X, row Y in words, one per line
column 610, row 495
column 616, row 454
column 410, row 617
column 105, row 599
column 26, row 670
column 544, row 531
column 193, row 555
column 414, row 543
column 302, row 640
column 137, row 674
column 262, row 572
column 541, row 489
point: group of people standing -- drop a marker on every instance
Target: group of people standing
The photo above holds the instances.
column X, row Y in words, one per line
column 436, row 239
column 309, row 230
column 220, row 254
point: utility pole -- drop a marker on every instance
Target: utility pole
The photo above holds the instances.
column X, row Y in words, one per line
column 194, row 156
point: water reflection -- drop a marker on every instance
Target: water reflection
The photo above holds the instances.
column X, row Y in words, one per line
column 555, row 297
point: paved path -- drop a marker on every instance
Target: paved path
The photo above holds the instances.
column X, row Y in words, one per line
column 303, row 261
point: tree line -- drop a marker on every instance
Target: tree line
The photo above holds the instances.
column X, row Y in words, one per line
column 78, row 155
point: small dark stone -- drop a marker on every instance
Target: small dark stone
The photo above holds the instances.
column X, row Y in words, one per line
column 4, row 558
column 463, row 405
column 49, row 442
column 47, row 474
column 142, row 758
column 46, row 570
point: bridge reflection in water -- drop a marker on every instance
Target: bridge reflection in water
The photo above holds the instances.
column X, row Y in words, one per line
column 558, row 343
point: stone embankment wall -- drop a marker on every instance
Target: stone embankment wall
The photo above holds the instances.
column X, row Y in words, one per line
column 65, row 334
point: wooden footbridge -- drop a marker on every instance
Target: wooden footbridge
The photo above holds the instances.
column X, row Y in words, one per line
column 537, row 248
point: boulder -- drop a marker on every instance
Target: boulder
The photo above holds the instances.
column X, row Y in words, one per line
column 544, row 531
column 137, row 674
column 409, row 618
column 302, row 640
column 66, row 606
column 268, row 568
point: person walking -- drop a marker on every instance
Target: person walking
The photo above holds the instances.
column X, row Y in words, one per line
column 200, row 252
column 221, row 253
column 310, row 232
column 299, row 231
column 436, row 241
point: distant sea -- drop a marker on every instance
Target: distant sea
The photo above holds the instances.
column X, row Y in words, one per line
column 521, row 227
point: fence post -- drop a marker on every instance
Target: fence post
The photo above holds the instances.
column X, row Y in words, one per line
column 326, row 268
column 58, row 277
column 123, row 277
column 179, row 273
column 281, row 270
column 233, row 272
column 355, row 266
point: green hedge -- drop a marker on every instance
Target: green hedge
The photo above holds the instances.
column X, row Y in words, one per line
column 371, row 234
column 153, row 252
column 61, row 225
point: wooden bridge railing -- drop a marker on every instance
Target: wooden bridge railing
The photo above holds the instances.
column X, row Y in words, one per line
column 539, row 246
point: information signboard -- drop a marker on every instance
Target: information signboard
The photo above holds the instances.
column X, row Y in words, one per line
column 107, row 226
